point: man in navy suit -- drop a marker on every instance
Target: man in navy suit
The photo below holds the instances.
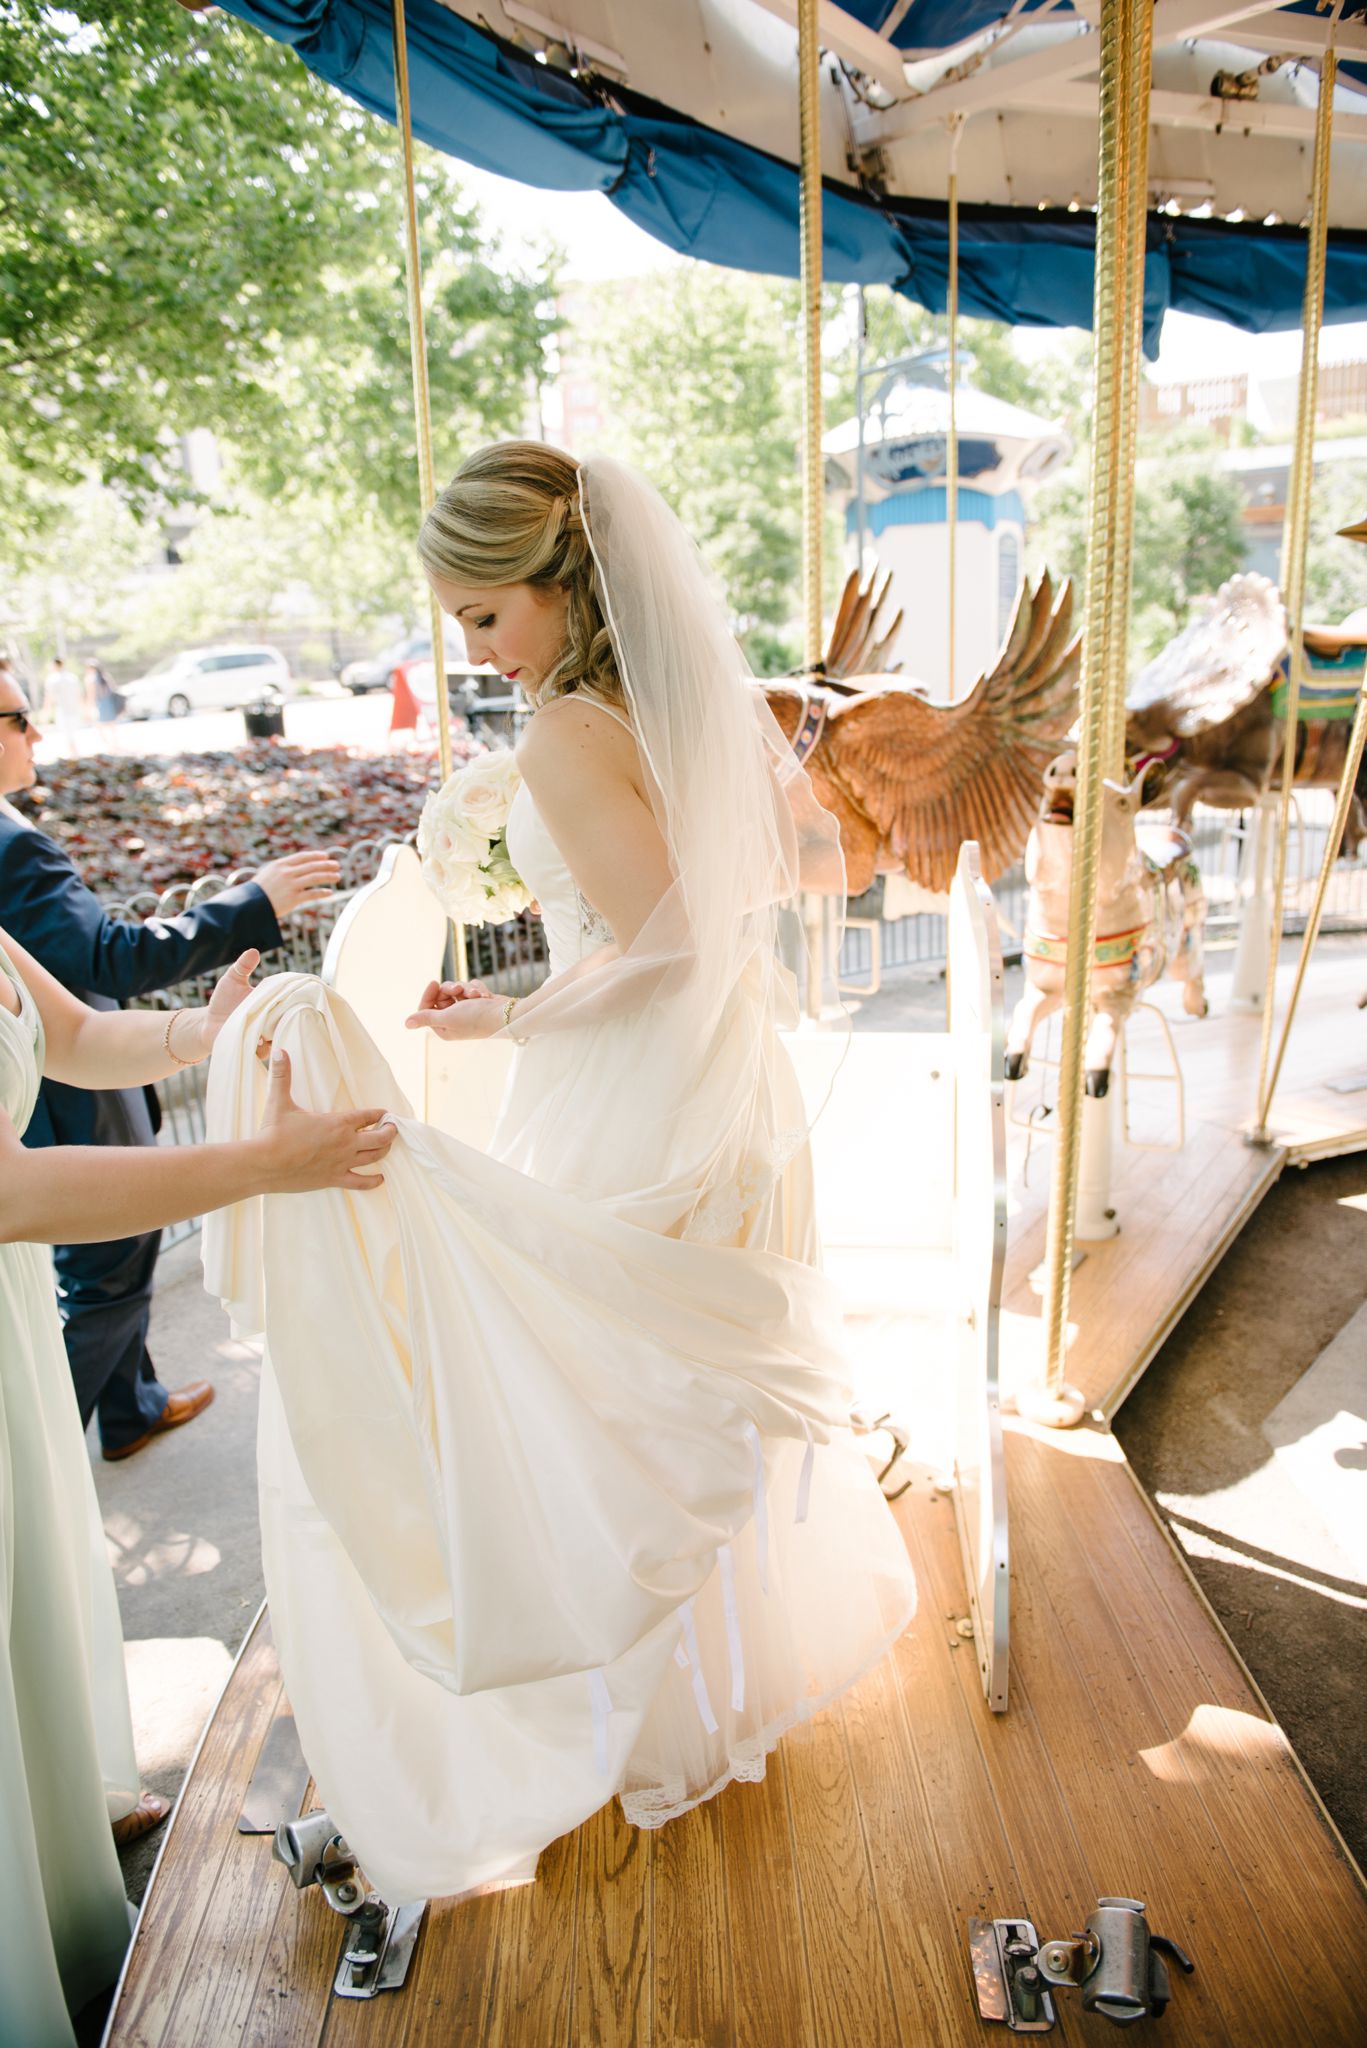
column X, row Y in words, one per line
column 105, row 1290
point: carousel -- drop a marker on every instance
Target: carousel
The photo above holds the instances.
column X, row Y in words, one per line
column 1062, row 1799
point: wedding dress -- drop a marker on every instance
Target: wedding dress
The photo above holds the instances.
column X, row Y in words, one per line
column 66, row 1742
column 558, row 1493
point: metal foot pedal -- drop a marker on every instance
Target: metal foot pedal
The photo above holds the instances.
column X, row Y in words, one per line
column 1007, row 1976
column 1116, row 1963
column 378, row 1943
column 279, row 1781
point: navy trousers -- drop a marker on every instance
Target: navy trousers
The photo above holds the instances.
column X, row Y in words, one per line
column 104, row 1294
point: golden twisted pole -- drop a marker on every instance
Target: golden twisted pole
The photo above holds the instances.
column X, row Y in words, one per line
column 1057, row 1402
column 1294, row 546
column 956, row 129
column 809, row 105
column 1342, row 805
column 1132, row 175
column 422, row 404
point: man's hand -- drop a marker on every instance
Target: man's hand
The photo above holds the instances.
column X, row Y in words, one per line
column 297, row 878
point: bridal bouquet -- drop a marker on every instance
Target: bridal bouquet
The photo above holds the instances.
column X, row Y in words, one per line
column 463, row 844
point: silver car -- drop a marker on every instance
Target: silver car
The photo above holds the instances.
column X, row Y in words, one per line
column 207, row 679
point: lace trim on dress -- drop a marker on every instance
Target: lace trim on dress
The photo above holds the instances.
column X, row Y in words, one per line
column 722, row 1211
column 592, row 923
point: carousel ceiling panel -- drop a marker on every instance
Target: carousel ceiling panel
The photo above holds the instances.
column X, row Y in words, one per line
column 684, row 113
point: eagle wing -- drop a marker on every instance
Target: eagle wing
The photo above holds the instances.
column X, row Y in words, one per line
column 1216, row 666
column 930, row 775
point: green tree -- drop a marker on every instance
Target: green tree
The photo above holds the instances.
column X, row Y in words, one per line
column 1336, row 570
column 698, row 370
column 195, row 231
column 1188, row 537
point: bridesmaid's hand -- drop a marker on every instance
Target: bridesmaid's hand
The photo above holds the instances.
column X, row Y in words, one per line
column 194, row 1039
column 335, row 1149
column 470, row 1016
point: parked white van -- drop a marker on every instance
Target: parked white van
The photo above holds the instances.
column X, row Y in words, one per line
column 206, row 679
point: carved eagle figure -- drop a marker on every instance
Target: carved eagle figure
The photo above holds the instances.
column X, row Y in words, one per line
column 909, row 778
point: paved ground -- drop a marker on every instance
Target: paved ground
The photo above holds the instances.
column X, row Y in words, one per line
column 328, row 716
column 1250, row 1431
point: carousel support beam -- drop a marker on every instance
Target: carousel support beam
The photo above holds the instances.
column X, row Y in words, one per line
column 1294, row 547
column 1123, row 128
column 809, row 103
column 956, row 129
column 1343, row 803
column 422, row 404
column 818, row 919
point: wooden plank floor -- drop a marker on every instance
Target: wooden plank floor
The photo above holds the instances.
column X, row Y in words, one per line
column 1180, row 1211
column 827, row 1905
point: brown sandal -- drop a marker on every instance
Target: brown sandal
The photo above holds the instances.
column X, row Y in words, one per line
column 150, row 1811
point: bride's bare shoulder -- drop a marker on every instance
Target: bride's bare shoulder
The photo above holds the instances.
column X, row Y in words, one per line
column 575, row 730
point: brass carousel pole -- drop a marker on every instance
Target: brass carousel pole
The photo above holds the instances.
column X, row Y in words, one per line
column 422, row 405
column 1124, row 102
column 816, row 914
column 809, row 95
column 1294, row 551
column 956, row 129
column 1138, row 72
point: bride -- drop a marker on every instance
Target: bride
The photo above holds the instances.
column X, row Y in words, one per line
column 558, row 1493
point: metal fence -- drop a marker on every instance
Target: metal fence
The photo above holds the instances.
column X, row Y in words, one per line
column 1218, row 839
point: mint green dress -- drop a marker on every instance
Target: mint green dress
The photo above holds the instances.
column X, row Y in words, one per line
column 66, row 1744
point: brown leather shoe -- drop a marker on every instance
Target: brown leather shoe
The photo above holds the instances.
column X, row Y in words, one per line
column 150, row 1811
column 181, row 1407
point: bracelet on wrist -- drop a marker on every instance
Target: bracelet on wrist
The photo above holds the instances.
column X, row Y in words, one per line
column 519, row 1038
column 166, row 1041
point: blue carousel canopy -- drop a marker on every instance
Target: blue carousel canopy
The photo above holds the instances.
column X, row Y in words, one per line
column 714, row 196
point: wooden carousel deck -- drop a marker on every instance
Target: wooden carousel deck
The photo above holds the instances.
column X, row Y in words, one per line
column 828, row 1905
column 1179, row 1212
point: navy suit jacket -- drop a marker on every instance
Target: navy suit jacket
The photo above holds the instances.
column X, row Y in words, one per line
column 48, row 909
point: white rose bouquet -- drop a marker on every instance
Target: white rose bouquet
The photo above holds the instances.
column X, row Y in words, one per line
column 463, row 844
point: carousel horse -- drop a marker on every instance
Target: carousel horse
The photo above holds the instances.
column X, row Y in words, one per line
column 1205, row 718
column 910, row 778
column 1150, row 914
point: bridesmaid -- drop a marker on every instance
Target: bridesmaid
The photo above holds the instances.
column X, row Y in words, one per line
column 66, row 1746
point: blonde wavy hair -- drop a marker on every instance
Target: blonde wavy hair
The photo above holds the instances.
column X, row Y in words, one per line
column 511, row 514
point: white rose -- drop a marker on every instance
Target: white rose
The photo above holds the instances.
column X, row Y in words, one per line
column 486, row 791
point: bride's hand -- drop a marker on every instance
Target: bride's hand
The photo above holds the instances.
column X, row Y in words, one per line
column 469, row 1016
column 439, row 995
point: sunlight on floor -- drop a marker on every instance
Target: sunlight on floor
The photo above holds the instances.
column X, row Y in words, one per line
column 1214, row 1739
column 173, row 1682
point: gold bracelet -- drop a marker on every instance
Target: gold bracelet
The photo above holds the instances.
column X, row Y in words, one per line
column 166, row 1041
column 508, row 1009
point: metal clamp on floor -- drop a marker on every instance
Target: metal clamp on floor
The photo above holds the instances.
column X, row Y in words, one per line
column 379, row 1940
column 1117, row 1965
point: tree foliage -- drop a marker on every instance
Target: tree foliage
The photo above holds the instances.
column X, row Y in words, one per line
column 195, row 231
column 698, row 372
column 1188, row 537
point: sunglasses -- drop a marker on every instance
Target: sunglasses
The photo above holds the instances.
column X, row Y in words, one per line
column 21, row 720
